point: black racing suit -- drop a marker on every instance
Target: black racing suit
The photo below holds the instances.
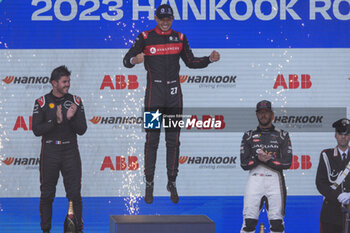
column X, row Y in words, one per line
column 162, row 52
column 329, row 168
column 59, row 152
column 266, row 180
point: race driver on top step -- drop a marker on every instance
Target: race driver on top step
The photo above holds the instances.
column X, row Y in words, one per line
column 160, row 50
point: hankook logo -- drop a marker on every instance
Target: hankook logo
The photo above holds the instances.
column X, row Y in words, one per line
column 116, row 120
column 28, row 162
column 210, row 81
column 209, row 162
column 26, row 80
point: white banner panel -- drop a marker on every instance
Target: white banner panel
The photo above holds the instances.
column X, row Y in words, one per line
column 112, row 148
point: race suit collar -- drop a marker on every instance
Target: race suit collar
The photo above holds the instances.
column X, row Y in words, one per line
column 266, row 129
column 160, row 32
column 55, row 97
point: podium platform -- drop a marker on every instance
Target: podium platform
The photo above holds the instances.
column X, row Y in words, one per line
column 160, row 224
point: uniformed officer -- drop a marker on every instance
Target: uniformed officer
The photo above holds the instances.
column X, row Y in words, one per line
column 331, row 182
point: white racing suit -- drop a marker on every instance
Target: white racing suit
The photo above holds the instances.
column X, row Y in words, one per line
column 265, row 182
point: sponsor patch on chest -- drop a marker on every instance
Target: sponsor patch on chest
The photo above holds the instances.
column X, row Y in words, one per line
column 163, row 49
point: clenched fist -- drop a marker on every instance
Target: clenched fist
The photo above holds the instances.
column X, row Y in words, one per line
column 138, row 59
column 214, row 56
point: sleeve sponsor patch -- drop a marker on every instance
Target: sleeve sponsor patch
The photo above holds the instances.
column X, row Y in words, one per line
column 276, row 162
column 181, row 36
column 41, row 101
column 77, row 100
column 145, row 35
column 36, row 108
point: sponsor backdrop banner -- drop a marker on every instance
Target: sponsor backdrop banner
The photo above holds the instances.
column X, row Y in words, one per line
column 308, row 89
column 294, row 53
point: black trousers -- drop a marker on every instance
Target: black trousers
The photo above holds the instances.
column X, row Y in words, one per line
column 330, row 228
column 54, row 159
column 168, row 99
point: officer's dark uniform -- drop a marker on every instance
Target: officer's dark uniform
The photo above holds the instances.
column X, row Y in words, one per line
column 330, row 166
column 59, row 152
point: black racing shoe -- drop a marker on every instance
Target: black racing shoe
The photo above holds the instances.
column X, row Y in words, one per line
column 171, row 187
column 149, row 192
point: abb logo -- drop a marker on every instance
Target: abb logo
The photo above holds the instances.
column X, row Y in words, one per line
column 120, row 163
column 20, row 123
column 305, row 162
column 294, row 82
column 120, row 82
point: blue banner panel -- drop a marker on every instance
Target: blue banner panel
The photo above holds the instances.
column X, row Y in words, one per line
column 49, row 24
column 22, row 214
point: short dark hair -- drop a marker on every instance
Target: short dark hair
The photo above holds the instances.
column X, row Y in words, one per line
column 59, row 72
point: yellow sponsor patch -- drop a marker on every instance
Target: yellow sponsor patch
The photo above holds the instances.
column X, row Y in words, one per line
column 51, row 105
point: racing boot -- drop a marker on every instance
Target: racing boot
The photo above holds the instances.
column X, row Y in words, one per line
column 149, row 192
column 171, row 187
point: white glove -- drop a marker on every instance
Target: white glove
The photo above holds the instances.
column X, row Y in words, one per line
column 344, row 198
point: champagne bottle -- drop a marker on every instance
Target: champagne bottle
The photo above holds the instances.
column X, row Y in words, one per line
column 262, row 228
column 70, row 209
column 70, row 223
